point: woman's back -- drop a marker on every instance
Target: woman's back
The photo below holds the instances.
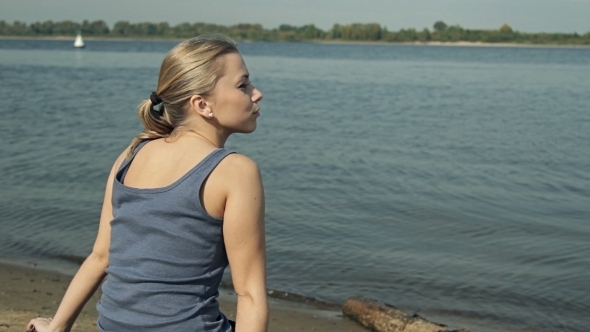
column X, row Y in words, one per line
column 167, row 254
column 163, row 161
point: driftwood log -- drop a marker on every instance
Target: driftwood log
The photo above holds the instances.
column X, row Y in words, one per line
column 382, row 317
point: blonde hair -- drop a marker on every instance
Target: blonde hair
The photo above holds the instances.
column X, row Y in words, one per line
column 190, row 68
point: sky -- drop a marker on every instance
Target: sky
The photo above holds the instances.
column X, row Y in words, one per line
column 522, row 15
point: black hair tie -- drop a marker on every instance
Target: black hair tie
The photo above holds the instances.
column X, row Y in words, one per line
column 157, row 108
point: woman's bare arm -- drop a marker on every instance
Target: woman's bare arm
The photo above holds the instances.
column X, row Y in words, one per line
column 243, row 232
column 90, row 274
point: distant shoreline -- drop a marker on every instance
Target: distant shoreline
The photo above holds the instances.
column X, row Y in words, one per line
column 353, row 33
column 335, row 42
column 454, row 44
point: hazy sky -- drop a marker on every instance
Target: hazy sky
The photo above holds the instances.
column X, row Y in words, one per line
column 523, row 15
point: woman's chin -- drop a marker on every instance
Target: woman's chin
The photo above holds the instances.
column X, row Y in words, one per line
column 251, row 129
column 246, row 129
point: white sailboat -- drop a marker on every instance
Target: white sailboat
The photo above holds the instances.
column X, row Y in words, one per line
column 79, row 43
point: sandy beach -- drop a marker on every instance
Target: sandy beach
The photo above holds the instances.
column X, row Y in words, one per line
column 26, row 293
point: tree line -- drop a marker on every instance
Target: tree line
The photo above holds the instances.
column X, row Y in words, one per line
column 372, row 32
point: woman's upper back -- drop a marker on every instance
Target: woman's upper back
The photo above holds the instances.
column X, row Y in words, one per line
column 162, row 162
column 167, row 254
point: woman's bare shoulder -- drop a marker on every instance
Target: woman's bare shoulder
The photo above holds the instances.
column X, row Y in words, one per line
column 239, row 167
column 236, row 160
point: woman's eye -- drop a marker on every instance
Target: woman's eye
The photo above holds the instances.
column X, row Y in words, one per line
column 243, row 86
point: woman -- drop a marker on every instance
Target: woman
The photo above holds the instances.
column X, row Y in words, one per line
column 178, row 207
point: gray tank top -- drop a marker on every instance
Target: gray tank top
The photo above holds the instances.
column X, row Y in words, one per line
column 166, row 257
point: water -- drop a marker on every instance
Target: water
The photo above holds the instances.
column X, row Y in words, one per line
column 449, row 181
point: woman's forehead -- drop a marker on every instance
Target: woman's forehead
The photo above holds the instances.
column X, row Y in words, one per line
column 235, row 66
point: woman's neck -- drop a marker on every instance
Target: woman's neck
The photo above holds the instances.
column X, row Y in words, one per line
column 217, row 141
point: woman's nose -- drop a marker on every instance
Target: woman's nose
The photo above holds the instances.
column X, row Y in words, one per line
column 256, row 95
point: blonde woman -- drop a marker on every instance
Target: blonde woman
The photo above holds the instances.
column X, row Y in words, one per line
column 178, row 207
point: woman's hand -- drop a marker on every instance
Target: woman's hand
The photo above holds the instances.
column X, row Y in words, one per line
column 40, row 325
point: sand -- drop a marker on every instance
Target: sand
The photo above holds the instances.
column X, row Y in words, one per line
column 26, row 293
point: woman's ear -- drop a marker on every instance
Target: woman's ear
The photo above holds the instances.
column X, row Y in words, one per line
column 201, row 106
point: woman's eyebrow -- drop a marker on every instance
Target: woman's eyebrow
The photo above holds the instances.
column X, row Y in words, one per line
column 244, row 76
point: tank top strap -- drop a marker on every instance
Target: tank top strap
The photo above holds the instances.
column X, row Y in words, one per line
column 122, row 171
column 203, row 169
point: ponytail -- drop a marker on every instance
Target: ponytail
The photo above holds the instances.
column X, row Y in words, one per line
column 155, row 126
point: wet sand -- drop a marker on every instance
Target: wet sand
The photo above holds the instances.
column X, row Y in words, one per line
column 26, row 293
